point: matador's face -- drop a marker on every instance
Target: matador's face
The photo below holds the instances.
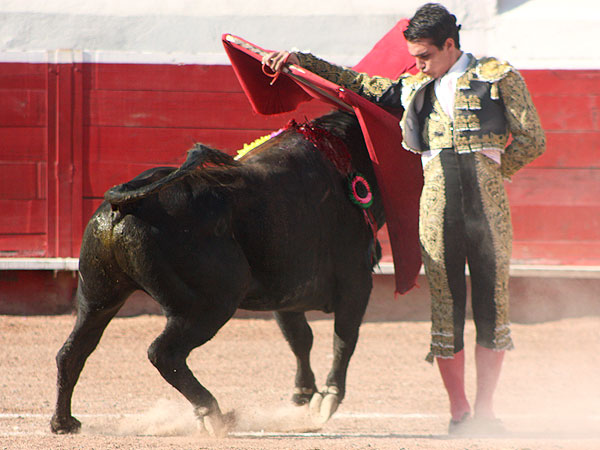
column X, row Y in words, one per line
column 430, row 59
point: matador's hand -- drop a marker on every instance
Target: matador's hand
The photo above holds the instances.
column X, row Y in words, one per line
column 277, row 60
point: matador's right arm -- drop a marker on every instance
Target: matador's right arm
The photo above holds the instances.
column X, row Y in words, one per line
column 380, row 90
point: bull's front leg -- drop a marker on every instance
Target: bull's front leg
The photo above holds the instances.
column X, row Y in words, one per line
column 323, row 404
column 348, row 317
column 299, row 336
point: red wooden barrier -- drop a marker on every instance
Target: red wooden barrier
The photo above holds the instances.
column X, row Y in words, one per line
column 70, row 131
column 23, row 160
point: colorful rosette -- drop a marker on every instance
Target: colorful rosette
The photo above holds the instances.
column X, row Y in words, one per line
column 360, row 191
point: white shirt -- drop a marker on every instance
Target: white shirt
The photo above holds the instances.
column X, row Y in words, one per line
column 445, row 91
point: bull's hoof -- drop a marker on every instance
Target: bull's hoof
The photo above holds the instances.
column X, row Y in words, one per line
column 215, row 423
column 302, row 395
column 68, row 425
column 323, row 405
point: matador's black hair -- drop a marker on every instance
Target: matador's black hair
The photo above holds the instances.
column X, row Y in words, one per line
column 433, row 21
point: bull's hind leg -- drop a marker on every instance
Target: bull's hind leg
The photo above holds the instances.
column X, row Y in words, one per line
column 299, row 336
column 349, row 312
column 95, row 311
column 169, row 352
column 199, row 286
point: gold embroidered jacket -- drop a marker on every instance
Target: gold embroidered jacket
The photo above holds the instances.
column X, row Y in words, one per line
column 492, row 103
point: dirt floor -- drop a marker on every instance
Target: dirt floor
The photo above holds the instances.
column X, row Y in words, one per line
column 548, row 397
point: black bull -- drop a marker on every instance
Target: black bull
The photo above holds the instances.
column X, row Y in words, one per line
column 274, row 231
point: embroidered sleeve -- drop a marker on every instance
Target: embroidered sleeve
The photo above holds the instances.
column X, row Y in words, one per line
column 528, row 138
column 380, row 90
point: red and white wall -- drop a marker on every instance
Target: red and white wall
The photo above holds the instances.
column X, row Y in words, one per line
column 94, row 91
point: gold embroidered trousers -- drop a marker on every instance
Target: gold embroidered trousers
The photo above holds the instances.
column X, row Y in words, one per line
column 465, row 218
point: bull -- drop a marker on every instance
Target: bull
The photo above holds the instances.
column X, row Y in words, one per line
column 272, row 231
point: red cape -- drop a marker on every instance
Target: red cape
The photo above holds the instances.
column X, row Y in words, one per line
column 399, row 173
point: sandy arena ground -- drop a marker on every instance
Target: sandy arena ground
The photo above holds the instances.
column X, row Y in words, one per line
column 549, row 394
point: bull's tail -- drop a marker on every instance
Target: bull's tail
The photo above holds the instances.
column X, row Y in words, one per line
column 138, row 189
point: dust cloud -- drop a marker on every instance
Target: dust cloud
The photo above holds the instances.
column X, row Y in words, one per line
column 165, row 418
column 176, row 418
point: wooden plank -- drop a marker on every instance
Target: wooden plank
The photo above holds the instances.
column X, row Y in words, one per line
column 567, row 112
column 556, row 223
column 22, row 216
column 19, row 181
column 24, row 76
column 22, row 144
column 161, row 146
column 65, row 156
column 52, row 150
column 23, row 245
column 565, row 187
column 573, row 82
column 570, row 150
column 220, row 78
column 76, row 163
column 185, row 110
column 22, row 108
column 160, row 77
column 553, row 252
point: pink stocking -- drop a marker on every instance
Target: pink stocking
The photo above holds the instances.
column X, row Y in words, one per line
column 453, row 376
column 488, row 364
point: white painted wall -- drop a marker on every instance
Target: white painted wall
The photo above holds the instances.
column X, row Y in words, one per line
column 529, row 33
column 547, row 33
